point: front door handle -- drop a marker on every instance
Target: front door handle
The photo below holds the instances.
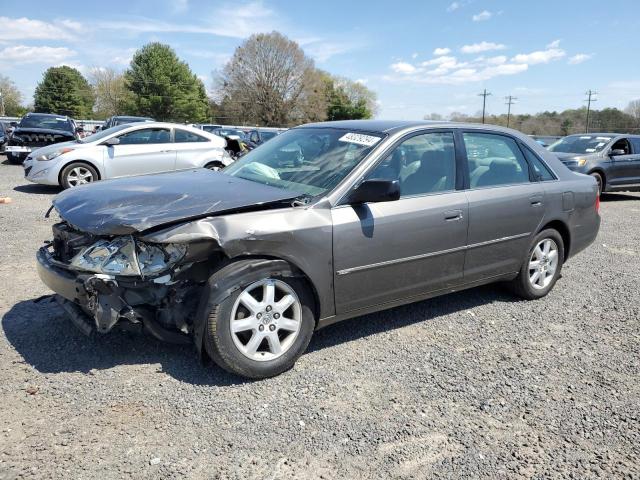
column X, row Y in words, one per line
column 453, row 215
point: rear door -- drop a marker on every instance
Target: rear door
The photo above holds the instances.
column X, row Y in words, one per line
column 190, row 148
column 505, row 206
column 141, row 151
column 396, row 250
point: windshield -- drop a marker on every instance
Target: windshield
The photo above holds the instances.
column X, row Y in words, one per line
column 267, row 135
column 51, row 123
column 309, row 161
column 96, row 137
column 580, row 144
column 210, row 128
column 228, row 132
column 123, row 120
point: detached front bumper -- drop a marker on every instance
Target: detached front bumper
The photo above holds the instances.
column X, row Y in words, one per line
column 97, row 302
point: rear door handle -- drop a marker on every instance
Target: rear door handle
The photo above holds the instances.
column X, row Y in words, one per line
column 452, row 215
column 536, row 200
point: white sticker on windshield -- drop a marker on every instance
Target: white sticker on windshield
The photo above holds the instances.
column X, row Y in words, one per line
column 359, row 139
column 601, row 144
column 61, row 119
column 589, row 150
column 604, row 139
column 585, row 138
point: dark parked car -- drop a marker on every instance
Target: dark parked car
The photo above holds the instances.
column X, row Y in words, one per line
column 37, row 130
column 247, row 263
column 259, row 136
column 122, row 119
column 613, row 159
column 4, row 136
column 545, row 140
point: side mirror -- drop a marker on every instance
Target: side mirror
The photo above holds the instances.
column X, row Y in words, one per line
column 13, row 124
column 112, row 141
column 375, row 190
column 617, row 152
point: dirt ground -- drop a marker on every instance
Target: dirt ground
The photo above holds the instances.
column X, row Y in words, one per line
column 472, row 385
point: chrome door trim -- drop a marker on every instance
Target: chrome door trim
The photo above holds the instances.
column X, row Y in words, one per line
column 360, row 268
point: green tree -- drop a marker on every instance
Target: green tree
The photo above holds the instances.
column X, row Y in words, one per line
column 164, row 87
column 11, row 98
column 348, row 100
column 63, row 90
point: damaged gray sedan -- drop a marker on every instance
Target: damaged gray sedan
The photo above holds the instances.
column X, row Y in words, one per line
column 324, row 222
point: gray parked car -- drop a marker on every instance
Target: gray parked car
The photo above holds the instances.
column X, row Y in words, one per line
column 613, row 159
column 248, row 262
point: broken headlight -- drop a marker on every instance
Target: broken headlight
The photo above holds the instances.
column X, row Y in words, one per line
column 126, row 256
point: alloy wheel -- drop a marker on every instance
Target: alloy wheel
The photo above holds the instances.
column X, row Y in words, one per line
column 266, row 319
column 79, row 176
column 543, row 263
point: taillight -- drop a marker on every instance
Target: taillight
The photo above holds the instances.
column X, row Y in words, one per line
column 597, row 203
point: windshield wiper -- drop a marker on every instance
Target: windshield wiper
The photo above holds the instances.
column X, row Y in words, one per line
column 301, row 200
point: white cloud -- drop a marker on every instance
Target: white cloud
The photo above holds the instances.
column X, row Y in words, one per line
column 497, row 60
column 414, row 55
column 482, row 16
column 362, row 81
column 403, row 67
column 554, row 44
column 540, row 56
column 441, row 51
column 322, row 50
column 22, row 54
column 227, row 21
column 482, row 47
column 23, row 28
column 453, row 6
column 579, row 58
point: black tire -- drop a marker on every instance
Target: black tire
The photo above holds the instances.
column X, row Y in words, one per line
column 600, row 182
column 214, row 166
column 64, row 175
column 229, row 283
column 13, row 158
column 521, row 285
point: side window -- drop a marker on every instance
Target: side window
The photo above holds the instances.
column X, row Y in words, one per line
column 145, row 136
column 182, row 136
column 494, row 160
column 635, row 143
column 423, row 164
column 254, row 137
column 542, row 172
column 622, row 144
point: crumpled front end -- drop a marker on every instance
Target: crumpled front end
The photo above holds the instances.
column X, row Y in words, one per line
column 106, row 281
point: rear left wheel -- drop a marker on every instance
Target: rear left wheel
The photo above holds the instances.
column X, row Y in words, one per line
column 215, row 166
column 542, row 266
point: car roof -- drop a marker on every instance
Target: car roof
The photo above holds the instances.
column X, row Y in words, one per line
column 395, row 126
column 32, row 114
column 602, row 134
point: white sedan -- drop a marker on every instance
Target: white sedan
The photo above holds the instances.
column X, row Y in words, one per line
column 126, row 150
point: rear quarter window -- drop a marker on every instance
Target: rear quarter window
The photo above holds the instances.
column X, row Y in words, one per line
column 541, row 171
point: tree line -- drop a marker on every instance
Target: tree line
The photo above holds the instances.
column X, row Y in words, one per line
column 269, row 81
column 561, row 123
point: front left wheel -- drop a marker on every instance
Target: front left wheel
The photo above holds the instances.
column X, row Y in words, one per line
column 77, row 173
column 265, row 322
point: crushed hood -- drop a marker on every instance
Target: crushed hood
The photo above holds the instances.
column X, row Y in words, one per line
column 135, row 204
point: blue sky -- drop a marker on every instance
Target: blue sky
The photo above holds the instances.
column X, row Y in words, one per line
column 419, row 56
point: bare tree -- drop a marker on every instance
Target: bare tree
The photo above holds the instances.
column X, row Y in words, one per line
column 11, row 98
column 633, row 109
column 112, row 95
column 270, row 81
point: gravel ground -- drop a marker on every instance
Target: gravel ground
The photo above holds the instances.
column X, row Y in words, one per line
column 473, row 385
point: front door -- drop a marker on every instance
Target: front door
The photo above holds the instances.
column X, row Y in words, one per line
column 505, row 206
column 399, row 249
column 142, row 151
column 625, row 169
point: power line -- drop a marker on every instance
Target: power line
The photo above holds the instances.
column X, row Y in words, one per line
column 509, row 101
column 484, row 96
column 589, row 94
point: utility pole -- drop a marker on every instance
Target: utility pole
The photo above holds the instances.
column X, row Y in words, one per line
column 484, row 96
column 589, row 94
column 1, row 104
column 509, row 101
